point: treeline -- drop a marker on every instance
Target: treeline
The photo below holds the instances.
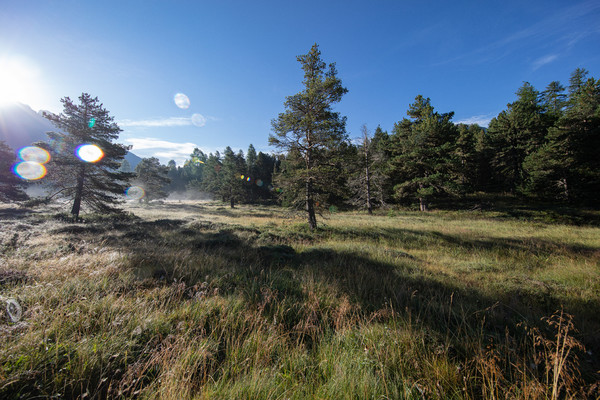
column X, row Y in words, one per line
column 231, row 177
column 543, row 147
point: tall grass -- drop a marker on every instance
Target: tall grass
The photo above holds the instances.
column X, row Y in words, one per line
column 195, row 301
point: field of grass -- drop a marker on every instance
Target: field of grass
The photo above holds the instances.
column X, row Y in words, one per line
column 187, row 300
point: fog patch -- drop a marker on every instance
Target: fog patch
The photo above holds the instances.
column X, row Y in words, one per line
column 191, row 194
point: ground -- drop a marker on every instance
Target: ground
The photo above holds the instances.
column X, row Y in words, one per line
column 196, row 300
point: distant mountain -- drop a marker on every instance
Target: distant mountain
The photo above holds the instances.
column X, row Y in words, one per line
column 132, row 159
column 20, row 126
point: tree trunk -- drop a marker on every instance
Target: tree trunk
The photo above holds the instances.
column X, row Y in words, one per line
column 310, row 206
column 368, row 179
column 232, row 202
column 422, row 204
column 78, row 193
column 565, row 186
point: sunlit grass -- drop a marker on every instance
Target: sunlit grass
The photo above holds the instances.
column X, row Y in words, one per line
column 195, row 300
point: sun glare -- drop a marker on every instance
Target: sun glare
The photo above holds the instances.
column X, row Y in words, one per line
column 19, row 81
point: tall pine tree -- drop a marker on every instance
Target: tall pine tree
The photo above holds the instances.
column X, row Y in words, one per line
column 311, row 134
column 514, row 134
column 422, row 158
column 153, row 178
column 264, row 167
column 367, row 176
column 193, row 168
column 233, row 177
column 554, row 99
column 468, row 169
column 252, row 173
column 97, row 184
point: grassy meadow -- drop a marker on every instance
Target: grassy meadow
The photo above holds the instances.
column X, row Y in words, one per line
column 194, row 300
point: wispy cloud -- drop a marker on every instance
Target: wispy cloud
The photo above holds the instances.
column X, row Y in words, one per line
column 481, row 120
column 555, row 29
column 540, row 62
column 196, row 119
column 154, row 123
column 151, row 143
column 163, row 149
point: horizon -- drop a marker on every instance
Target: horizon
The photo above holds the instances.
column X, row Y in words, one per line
column 237, row 63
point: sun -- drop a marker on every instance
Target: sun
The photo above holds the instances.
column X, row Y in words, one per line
column 19, row 81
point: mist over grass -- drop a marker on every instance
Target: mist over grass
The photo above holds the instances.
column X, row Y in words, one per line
column 196, row 300
column 191, row 194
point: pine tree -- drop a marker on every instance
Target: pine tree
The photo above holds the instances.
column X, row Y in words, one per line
column 176, row 184
column 251, row 159
column 153, row 178
column 193, row 168
column 264, row 167
column 567, row 166
column 232, row 177
column 96, row 183
column 554, row 99
column 311, row 134
column 577, row 79
column 11, row 187
column 212, row 176
column 484, row 180
column 467, row 159
column 251, row 172
column 515, row 133
column 422, row 158
column 361, row 172
column 380, row 167
column 125, row 166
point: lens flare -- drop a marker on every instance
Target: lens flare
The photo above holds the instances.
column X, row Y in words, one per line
column 259, row 183
column 198, row 120
column 34, row 154
column 92, row 122
column 182, row 101
column 30, row 170
column 248, row 179
column 135, row 193
column 89, row 153
column 242, row 177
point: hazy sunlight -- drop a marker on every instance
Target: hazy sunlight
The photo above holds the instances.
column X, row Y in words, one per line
column 19, row 81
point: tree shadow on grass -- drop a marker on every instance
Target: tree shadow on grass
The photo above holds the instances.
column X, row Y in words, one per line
column 15, row 213
column 444, row 306
column 239, row 263
column 414, row 239
column 515, row 208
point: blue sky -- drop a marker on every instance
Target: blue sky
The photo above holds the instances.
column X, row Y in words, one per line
column 236, row 60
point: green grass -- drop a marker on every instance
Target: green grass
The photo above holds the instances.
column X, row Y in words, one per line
column 198, row 301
